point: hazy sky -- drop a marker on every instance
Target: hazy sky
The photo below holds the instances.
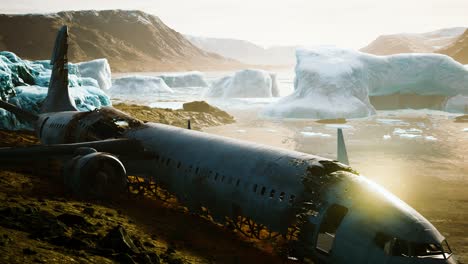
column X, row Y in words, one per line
column 345, row 23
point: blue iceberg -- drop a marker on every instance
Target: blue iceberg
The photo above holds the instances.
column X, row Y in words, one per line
column 339, row 83
column 24, row 83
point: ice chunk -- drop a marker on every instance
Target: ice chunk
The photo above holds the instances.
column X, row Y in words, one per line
column 399, row 131
column 409, row 136
column 99, row 70
column 186, row 79
column 457, row 104
column 314, row 134
column 139, row 86
column 387, row 137
column 245, row 84
column 393, row 122
column 337, row 83
column 336, row 126
column 430, row 138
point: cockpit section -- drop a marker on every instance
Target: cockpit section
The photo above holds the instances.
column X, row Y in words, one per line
column 393, row 246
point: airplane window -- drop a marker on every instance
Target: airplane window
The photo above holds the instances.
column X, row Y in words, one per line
column 330, row 224
column 384, row 242
column 237, row 183
column 292, row 198
column 272, row 194
column 446, row 248
column 255, row 188
column 262, row 192
column 281, row 197
column 398, row 247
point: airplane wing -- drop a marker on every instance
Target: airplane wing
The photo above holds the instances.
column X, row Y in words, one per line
column 41, row 152
column 95, row 169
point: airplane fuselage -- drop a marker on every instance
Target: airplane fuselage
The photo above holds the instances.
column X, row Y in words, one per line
column 343, row 215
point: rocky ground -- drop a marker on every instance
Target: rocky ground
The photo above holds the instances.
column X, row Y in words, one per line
column 200, row 114
column 41, row 223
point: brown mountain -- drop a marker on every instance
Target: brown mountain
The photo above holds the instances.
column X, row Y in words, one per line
column 413, row 42
column 458, row 49
column 130, row 40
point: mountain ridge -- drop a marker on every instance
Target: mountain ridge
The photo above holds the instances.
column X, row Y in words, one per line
column 131, row 40
column 426, row 42
column 458, row 50
column 246, row 51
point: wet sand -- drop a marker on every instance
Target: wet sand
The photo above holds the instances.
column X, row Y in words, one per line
column 423, row 159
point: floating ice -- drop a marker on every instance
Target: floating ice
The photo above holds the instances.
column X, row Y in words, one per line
column 186, row 79
column 430, row 138
column 314, row 134
column 409, row 136
column 399, row 131
column 245, row 84
column 336, row 126
column 337, row 83
column 393, row 122
column 387, row 137
column 139, row 86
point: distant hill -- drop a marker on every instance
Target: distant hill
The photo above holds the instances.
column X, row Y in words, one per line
column 413, row 42
column 130, row 40
column 247, row 52
column 458, row 49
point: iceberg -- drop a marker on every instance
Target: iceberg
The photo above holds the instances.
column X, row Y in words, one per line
column 98, row 70
column 245, row 84
column 24, row 83
column 457, row 104
column 337, row 83
column 186, row 79
column 139, row 85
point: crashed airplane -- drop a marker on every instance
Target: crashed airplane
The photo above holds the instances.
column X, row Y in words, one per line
column 338, row 216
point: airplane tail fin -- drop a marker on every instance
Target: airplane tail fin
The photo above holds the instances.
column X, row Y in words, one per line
column 58, row 99
column 342, row 153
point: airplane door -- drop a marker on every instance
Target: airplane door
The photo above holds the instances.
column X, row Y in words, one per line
column 327, row 231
